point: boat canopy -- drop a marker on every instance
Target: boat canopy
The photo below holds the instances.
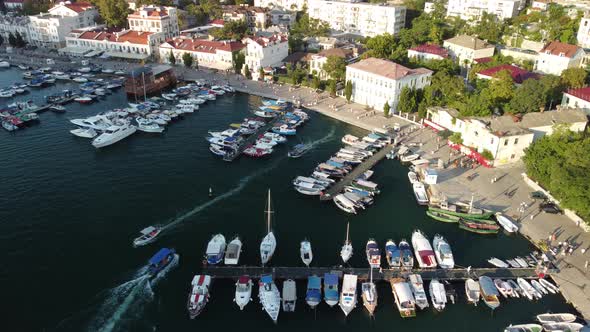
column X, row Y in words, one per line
column 307, row 185
column 487, row 286
column 267, row 279
column 147, row 230
column 314, row 282
column 160, row 255
column 243, row 279
column 349, row 283
column 403, row 291
column 213, row 248
column 330, row 279
column 375, row 136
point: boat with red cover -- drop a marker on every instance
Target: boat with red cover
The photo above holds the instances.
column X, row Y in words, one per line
column 199, row 295
column 423, row 250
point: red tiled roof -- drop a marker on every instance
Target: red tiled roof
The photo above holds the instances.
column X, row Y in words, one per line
column 518, row 75
column 153, row 11
column 134, row 37
column 265, row 41
column 388, row 69
column 79, row 7
column 206, row 46
column 582, row 93
column 217, row 22
column 557, row 48
column 431, row 49
column 482, row 60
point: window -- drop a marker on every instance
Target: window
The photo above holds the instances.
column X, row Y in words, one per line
column 492, row 141
column 512, row 156
column 515, row 141
column 505, row 142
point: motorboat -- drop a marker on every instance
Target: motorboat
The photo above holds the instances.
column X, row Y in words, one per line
column 443, row 253
column 4, row 64
column 556, row 318
column 299, row 150
column 346, row 251
column 406, row 255
column 488, row 292
column 148, row 126
column 521, row 262
column 169, row 96
column 539, row 288
column 313, row 295
column 331, row 289
column 83, row 99
column 366, row 185
column 220, row 150
column 275, row 137
column 498, row 262
column 504, row 288
column 348, row 295
column 113, row 134
column 524, row 328
column 307, row 188
column 373, row 254
column 561, row 327
column 412, row 177
column 233, row 251
column 148, row 235
column 549, row 286
column 517, row 291
column 289, row 295
column 424, row 253
column 420, row 193
column 472, row 291
column 284, row 130
column 243, row 291
column 269, row 296
column 529, row 291
column 404, row 299
column 306, row 252
column 84, row 132
column 417, row 286
column 392, row 253
column 162, row 262
column 303, row 179
column 369, row 295
column 257, row 152
column 344, row 204
column 57, row 108
column 269, row 242
column 438, row 294
column 506, row 223
column 199, row 295
column 409, row 158
column 215, row 249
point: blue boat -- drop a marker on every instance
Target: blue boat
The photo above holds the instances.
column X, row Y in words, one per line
column 336, row 164
column 216, row 249
column 313, row 297
column 271, row 102
column 393, row 254
column 331, row 294
column 284, row 130
column 407, row 257
column 162, row 261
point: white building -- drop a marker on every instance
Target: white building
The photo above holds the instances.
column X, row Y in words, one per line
column 282, row 18
column 257, row 18
column 428, row 7
column 474, row 9
column 428, row 52
column 377, row 81
column 466, row 49
column 584, row 32
column 10, row 24
column 51, row 29
column 557, row 57
column 127, row 44
column 577, row 98
column 318, row 60
column 361, row 18
column 540, row 5
column 262, row 52
column 155, row 19
column 14, row 4
column 285, row 4
column 207, row 53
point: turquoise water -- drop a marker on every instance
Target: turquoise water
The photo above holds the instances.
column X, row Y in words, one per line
column 69, row 212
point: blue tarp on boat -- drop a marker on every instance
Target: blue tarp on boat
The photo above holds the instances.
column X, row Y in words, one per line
column 160, row 255
column 267, row 279
column 314, row 282
column 330, row 279
column 374, row 136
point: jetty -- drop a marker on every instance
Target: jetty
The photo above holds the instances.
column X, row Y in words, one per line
column 47, row 106
column 457, row 274
column 244, row 144
column 356, row 172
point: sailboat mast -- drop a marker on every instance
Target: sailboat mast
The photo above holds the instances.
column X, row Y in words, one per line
column 347, row 227
column 268, row 212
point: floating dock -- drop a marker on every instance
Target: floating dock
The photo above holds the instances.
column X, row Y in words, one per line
column 356, row 172
column 250, row 139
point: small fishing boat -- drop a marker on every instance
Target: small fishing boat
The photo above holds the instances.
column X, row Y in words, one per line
column 480, row 226
column 412, row 177
column 313, row 296
column 497, row 262
column 289, row 295
column 503, row 287
column 233, row 251
column 84, row 132
column 488, row 292
column 299, row 150
column 348, row 295
column 417, row 286
column 463, row 210
column 549, row 286
column 443, row 253
column 373, row 254
column 539, row 288
column 438, row 295
column 529, row 291
column 148, row 235
column 556, row 318
column 506, row 223
column 344, row 204
column 162, row 262
column 524, row 328
column 407, row 257
column 306, row 252
column 199, row 295
column 442, row 216
column 424, row 253
column 284, row 130
column 409, row 158
column 563, row 327
column 472, row 291
column 369, row 295
column 83, row 99
column 243, row 291
column 331, row 289
column 517, row 291
column 420, row 193
column 404, row 299
column 269, row 296
column 392, row 254
column 269, row 242
column 346, row 251
column 215, row 249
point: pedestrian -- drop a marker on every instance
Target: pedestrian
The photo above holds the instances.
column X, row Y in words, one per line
column 583, row 250
column 570, row 251
column 586, row 265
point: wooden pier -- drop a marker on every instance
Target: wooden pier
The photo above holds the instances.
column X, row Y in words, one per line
column 457, row 274
column 250, row 139
column 356, row 172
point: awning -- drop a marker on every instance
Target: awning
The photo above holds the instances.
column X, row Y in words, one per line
column 73, row 50
column 92, row 54
column 135, row 56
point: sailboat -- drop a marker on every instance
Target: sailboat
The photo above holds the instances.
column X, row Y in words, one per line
column 346, row 251
column 269, row 296
column 369, row 295
column 269, row 242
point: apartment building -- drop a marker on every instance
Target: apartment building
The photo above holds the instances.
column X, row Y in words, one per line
column 474, row 9
column 207, row 53
column 159, row 19
column 257, row 18
column 295, row 5
column 262, row 52
column 10, row 24
column 556, row 57
column 466, row 49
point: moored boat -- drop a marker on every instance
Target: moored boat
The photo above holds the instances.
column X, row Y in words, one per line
column 331, row 289
column 539, row 288
column 472, row 291
column 344, row 204
column 549, row 286
column 289, row 295
column 424, row 253
column 556, row 318
column 84, row 132
column 497, row 262
column 503, row 287
column 392, row 254
column 420, row 193
column 529, row 291
column 443, row 253
column 348, row 295
column 369, row 295
column 373, row 254
column 506, row 223
column 480, row 226
column 199, row 295
column 243, row 291
column 233, row 251
column 313, row 296
column 488, row 292
column 306, row 252
column 113, row 134
column 404, row 299
column 269, row 242
column 417, row 286
column 442, row 216
column 407, row 257
column 563, row 327
column 346, row 251
column 269, row 296
column 438, row 294
column 524, row 328
column 215, row 249
column 464, row 211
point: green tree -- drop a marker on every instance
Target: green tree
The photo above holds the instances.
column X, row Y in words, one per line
column 386, row 109
column 171, row 58
column 348, row 91
column 315, row 83
column 501, row 87
column 187, row 59
column 487, row 154
column 528, row 97
column 574, row 77
column 261, row 73
column 335, row 67
column 306, row 26
column 407, row 100
column 113, row 12
column 247, row 73
column 478, row 104
column 238, row 59
column 456, row 138
column 11, row 40
column 234, row 30
column 332, row 87
column 553, row 89
column 19, row 40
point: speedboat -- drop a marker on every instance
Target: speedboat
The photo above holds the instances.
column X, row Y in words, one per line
column 392, row 253
column 497, row 262
column 199, row 295
column 404, row 299
column 346, row 251
column 83, row 99
column 424, row 253
column 113, row 134
column 299, row 150
column 528, row 290
column 284, row 130
column 243, row 291
column 524, row 328
column 506, row 223
column 438, row 294
column 84, row 132
column 269, row 242
column 269, row 296
column 373, row 254
column 443, row 253
column 488, row 292
column 556, row 318
column 417, row 286
column 348, row 295
column 4, row 64
column 311, row 189
column 306, row 252
column 472, row 291
column 169, row 96
column 369, row 295
column 420, row 193
column 215, row 249
column 503, row 287
column 409, row 158
column 560, row 327
column 289, row 295
column 57, row 108
column 148, row 235
column 313, row 296
column 407, row 257
column 148, row 126
column 344, row 204
column 412, row 177
column 331, row 289
column 164, row 260
column 232, row 253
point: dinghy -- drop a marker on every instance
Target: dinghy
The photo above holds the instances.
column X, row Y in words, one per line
column 289, row 295
column 506, row 223
column 472, row 291
column 556, row 318
column 549, row 286
column 524, row 328
column 306, row 253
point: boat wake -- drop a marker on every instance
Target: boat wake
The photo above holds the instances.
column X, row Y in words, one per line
column 324, row 139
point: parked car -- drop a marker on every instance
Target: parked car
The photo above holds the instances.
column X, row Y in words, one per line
column 538, row 195
column 550, row 207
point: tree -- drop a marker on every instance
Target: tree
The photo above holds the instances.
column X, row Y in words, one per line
column 487, row 154
column 574, row 77
column 187, row 59
column 456, row 138
column 306, row 26
column 553, row 89
column 407, row 100
column 386, row 109
column 238, row 59
column 19, row 41
column 260, row 73
column 501, row 87
column 528, row 97
column 113, row 12
column 233, row 30
column 335, row 67
column 332, row 87
column 11, row 40
column 315, row 83
column 348, row 91
column 247, row 73
column 171, row 58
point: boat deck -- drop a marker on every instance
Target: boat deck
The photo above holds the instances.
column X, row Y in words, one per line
column 356, row 172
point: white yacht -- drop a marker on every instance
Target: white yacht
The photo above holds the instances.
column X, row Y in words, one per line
column 269, row 296
column 289, row 295
column 348, row 294
column 369, row 295
column 148, row 126
column 232, row 253
column 269, row 242
column 420, row 193
column 417, row 286
column 306, row 252
column 97, row 122
column 443, row 253
column 243, row 291
column 84, row 132
column 438, row 294
column 344, row 204
column 346, row 251
column 423, row 251
column 113, row 134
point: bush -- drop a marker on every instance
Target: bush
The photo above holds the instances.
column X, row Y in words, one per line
column 487, row 154
column 456, row 138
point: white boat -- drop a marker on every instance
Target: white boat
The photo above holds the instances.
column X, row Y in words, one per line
column 289, row 295
column 4, row 64
column 233, row 251
column 148, row 235
column 113, row 134
column 348, row 294
column 506, row 223
column 417, row 286
column 423, row 251
column 438, row 295
column 516, row 290
column 344, row 204
column 148, row 126
column 488, row 292
column 269, row 296
column 169, row 96
column 521, row 262
column 412, row 177
column 373, row 254
column 311, row 189
column 408, row 158
column 539, row 288
column 524, row 328
column 215, row 249
column 97, row 122
column 419, row 162
column 349, row 139
column 556, row 318
column 549, row 286
column 498, row 262
column 404, row 299
column 243, row 291
column 199, row 295
column 503, row 287
column 420, row 193
column 269, row 242
column 528, row 290
column 84, row 69
column 443, row 253
column 563, row 327
column 84, row 132
column 369, row 295
column 306, row 252
column 472, row 291
column 346, row 251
